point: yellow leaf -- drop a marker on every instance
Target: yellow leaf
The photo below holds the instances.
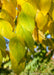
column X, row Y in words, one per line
column 10, row 7
column 4, row 15
column 53, row 14
column 6, row 29
column 45, row 6
column 41, row 19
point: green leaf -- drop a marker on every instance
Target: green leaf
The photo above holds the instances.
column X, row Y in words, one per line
column 17, row 48
column 2, row 45
column 17, row 52
column 26, row 21
column 26, row 35
column 0, row 58
column 6, row 29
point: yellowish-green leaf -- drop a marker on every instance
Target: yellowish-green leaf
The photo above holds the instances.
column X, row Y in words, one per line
column 32, row 2
column 26, row 35
column 17, row 48
column 28, row 9
column 6, row 29
column 18, row 67
column 26, row 21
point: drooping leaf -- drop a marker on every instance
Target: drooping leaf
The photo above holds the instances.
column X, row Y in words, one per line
column 17, row 52
column 10, row 7
column 4, row 15
column 45, row 6
column 32, row 2
column 26, row 21
column 18, row 67
column 6, row 29
column 17, row 48
column 41, row 19
column 26, row 35
column 28, row 9
column 2, row 45
column 53, row 14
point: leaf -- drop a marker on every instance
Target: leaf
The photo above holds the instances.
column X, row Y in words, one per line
column 26, row 21
column 26, row 35
column 45, row 6
column 17, row 48
column 2, row 45
column 6, row 29
column 0, row 58
column 51, row 28
column 10, row 7
column 18, row 67
column 32, row 2
column 53, row 14
column 17, row 52
column 28, row 9
column 4, row 15
column 41, row 19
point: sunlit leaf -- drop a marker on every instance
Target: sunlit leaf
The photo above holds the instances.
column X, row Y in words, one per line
column 18, row 67
column 28, row 9
column 10, row 7
column 45, row 6
column 26, row 21
column 41, row 19
column 26, row 35
column 6, row 29
column 4, row 15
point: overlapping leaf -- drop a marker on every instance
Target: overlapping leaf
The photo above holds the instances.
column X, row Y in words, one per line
column 17, row 52
column 2, row 45
column 26, row 21
column 26, row 35
column 4, row 15
column 10, row 7
column 41, row 19
column 6, row 29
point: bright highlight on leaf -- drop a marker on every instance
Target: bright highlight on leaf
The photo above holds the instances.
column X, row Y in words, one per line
column 26, row 21
column 6, row 29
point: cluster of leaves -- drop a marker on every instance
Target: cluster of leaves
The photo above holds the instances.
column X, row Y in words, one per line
column 26, row 23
